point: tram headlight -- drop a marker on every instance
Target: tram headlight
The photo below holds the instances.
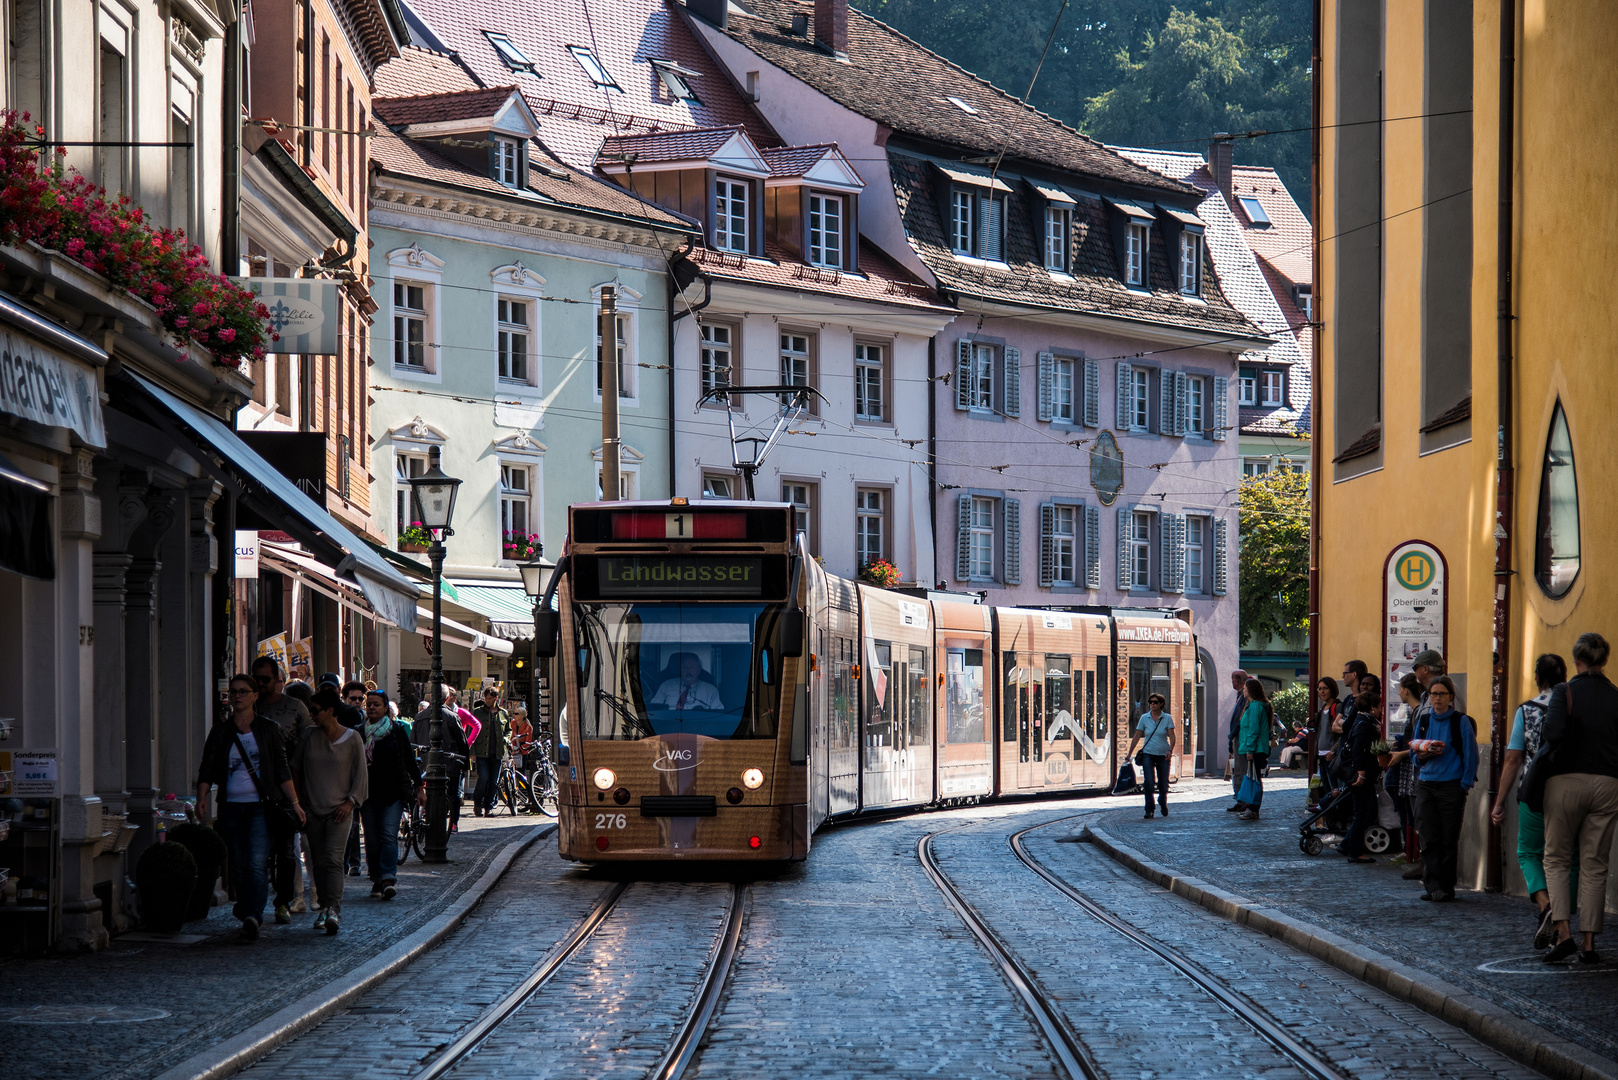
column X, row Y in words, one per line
column 604, row 779
column 753, row 778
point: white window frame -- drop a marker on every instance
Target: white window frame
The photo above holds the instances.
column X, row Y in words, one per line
column 985, row 359
column 625, row 350
column 505, row 330
column 1253, row 467
column 804, row 497
column 405, row 460
column 1272, row 388
column 718, row 486
column 516, row 283
column 182, row 160
column 789, row 357
column 507, row 161
column 1247, row 390
column 628, row 308
column 963, row 221
column 594, row 69
column 980, row 541
column 1140, row 549
column 675, row 81
column 406, row 316
column 826, row 231
column 1067, row 525
column 1190, row 263
column 1136, row 248
column 513, row 496
column 870, row 517
column 1140, row 399
column 1198, row 545
column 1254, row 210
column 1065, row 390
column 415, row 266
column 870, row 381
column 510, row 54
column 1196, row 406
column 1058, row 221
column 716, row 338
column 732, row 232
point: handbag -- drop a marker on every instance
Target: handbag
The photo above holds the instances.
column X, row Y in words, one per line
column 1543, row 767
column 278, row 813
column 1251, row 792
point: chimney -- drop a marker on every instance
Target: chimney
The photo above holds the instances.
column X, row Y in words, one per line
column 1220, row 155
column 831, row 26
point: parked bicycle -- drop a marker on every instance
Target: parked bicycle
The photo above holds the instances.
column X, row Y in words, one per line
column 413, row 823
column 527, row 781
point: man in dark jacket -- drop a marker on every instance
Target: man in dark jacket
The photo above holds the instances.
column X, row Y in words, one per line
column 1581, row 800
column 1359, row 767
column 489, row 748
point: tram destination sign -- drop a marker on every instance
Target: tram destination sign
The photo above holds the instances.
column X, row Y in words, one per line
column 693, row 577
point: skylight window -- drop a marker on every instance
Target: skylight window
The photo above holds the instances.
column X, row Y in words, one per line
column 510, row 55
column 676, row 80
column 593, row 68
column 1254, row 211
column 961, row 105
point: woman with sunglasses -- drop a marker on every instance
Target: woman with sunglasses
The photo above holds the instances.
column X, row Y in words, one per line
column 1446, row 746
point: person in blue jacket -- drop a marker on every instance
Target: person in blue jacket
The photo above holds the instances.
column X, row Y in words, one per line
column 1446, row 747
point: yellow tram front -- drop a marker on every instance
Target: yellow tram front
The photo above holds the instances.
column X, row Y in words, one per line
column 683, row 664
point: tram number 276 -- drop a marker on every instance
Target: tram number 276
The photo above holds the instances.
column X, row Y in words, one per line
column 611, row 821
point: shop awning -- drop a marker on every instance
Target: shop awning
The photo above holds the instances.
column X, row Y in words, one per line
column 460, row 634
column 25, row 524
column 267, row 491
column 510, row 611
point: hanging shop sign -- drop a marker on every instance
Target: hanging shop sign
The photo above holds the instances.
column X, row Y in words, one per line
column 247, row 553
column 1414, row 613
column 39, row 384
column 304, row 311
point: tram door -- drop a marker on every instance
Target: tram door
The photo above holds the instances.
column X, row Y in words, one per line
column 1060, row 730
column 1095, row 733
column 1149, row 675
column 842, row 722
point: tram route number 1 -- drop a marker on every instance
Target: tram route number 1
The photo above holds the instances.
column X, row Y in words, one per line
column 611, row 821
column 677, row 526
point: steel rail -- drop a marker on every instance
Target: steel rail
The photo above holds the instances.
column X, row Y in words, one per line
column 1075, row 1058
column 501, row 1010
column 685, row 1044
column 1237, row 1004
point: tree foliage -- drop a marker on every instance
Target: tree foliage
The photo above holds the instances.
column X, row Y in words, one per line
column 1291, row 705
column 1274, row 513
column 1140, row 72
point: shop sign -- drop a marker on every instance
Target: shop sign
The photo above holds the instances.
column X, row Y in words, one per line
column 30, row 774
column 304, row 311
column 1415, row 604
column 246, row 553
column 48, row 388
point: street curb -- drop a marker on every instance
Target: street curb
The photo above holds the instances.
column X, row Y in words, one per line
column 1519, row 1039
column 239, row 1051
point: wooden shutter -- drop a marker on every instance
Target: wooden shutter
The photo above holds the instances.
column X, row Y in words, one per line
column 1165, row 402
column 1013, row 542
column 1221, row 390
column 1126, row 386
column 963, row 373
column 1126, row 516
column 1047, row 385
column 1047, row 545
column 992, row 222
column 1092, row 393
column 963, row 538
column 1092, row 547
column 1171, row 535
column 1221, row 576
column 1013, row 381
column 1182, row 403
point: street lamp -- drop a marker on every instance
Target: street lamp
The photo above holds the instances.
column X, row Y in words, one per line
column 536, row 579
column 432, row 497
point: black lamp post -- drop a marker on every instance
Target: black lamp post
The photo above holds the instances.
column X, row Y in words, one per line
column 432, row 496
column 536, row 576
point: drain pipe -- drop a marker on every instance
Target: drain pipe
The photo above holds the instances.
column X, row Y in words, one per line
column 1315, row 461
column 1505, row 472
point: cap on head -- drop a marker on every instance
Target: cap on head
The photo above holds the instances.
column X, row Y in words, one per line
column 328, row 678
column 1431, row 659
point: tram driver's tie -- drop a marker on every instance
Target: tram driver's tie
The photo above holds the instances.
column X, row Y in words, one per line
column 684, row 690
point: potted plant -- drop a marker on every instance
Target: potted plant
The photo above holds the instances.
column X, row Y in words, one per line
column 1383, row 752
column 208, row 849
column 415, row 538
column 880, row 572
column 165, row 878
column 519, row 546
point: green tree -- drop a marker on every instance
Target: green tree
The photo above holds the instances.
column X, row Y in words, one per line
column 1274, row 514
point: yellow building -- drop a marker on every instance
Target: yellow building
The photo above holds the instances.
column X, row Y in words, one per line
column 1418, row 371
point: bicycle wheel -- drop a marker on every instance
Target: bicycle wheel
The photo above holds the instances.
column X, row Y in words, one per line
column 405, row 837
column 545, row 790
column 418, row 832
column 505, row 791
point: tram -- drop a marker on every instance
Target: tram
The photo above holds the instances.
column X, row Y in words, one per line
column 725, row 696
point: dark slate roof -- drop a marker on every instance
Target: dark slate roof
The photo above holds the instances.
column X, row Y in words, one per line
column 439, row 106
column 1096, row 288
column 896, row 82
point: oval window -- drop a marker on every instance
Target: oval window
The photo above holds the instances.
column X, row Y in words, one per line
column 1556, row 553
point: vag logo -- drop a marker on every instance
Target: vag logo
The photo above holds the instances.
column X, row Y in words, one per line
column 672, row 760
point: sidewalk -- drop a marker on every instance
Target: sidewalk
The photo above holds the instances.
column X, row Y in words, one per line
column 1481, row 945
column 142, row 1006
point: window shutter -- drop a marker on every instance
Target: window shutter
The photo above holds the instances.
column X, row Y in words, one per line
column 1013, row 542
column 1221, row 571
column 963, row 538
column 1013, row 381
column 1047, row 378
column 1125, row 576
column 1092, row 393
column 1165, row 553
column 1047, row 545
column 992, row 222
column 1092, row 547
column 1172, row 535
column 963, row 373
column 1125, row 388
column 1221, row 390
column 1182, row 402
column 1165, row 403
column 1179, row 552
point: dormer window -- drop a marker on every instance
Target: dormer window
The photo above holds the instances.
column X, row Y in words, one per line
column 826, row 231
column 1190, row 263
column 1304, row 297
column 593, row 68
column 1135, row 255
column 676, row 80
column 977, row 224
column 507, row 161
column 509, row 53
column 1058, row 221
column 731, row 215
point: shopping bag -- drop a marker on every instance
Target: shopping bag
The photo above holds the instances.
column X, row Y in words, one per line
column 1126, row 779
column 1251, row 792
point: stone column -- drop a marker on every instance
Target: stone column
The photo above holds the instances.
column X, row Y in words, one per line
column 186, row 697
column 142, row 637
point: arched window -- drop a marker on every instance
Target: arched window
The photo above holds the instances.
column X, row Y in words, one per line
column 1556, row 553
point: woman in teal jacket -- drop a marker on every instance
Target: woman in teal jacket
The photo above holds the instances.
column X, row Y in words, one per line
column 1253, row 739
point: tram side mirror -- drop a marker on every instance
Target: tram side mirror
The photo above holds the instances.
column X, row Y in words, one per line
column 562, row 755
column 792, row 633
column 547, row 626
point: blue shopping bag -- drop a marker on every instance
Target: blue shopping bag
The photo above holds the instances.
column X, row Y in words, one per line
column 1251, row 792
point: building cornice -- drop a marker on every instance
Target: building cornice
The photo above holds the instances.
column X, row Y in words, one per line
column 547, row 217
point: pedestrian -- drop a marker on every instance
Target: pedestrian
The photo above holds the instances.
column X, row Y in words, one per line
column 1360, row 767
column 488, row 748
column 1446, row 747
column 1238, row 761
column 1156, row 729
column 351, row 714
column 245, row 758
column 286, row 852
column 1527, row 733
column 1254, row 741
column 454, row 748
column 522, row 736
column 329, row 768
column 1401, row 778
column 1581, row 798
column 1331, row 762
column 393, row 778
column 1428, row 665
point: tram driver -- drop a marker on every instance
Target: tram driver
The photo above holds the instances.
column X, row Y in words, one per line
column 689, row 690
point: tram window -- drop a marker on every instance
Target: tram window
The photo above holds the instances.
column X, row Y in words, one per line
column 842, row 695
column 920, row 712
column 1058, row 698
column 1103, row 701
column 964, row 705
column 1185, row 713
column 1147, row 675
column 1090, row 704
column 1008, row 732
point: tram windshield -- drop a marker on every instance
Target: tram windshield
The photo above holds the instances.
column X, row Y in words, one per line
column 667, row 668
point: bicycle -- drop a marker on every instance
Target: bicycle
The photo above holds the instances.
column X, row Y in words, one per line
column 412, row 823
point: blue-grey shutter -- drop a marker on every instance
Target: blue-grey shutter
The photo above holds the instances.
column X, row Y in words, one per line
column 1126, row 388
column 1182, row 403
column 1171, row 537
column 1221, row 390
column 963, row 373
column 1179, row 553
column 1013, row 381
column 1165, row 402
column 1047, row 388
column 1047, row 545
column 1092, row 547
column 1092, row 393
column 1013, row 542
column 1126, row 577
column 963, row 538
column 1221, row 569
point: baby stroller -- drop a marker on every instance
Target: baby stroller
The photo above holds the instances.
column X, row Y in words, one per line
column 1335, row 815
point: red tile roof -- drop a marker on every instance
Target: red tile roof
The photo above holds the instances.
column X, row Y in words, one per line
column 666, row 145
column 880, row 279
column 797, row 160
column 421, row 71
column 1288, row 243
column 440, row 106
